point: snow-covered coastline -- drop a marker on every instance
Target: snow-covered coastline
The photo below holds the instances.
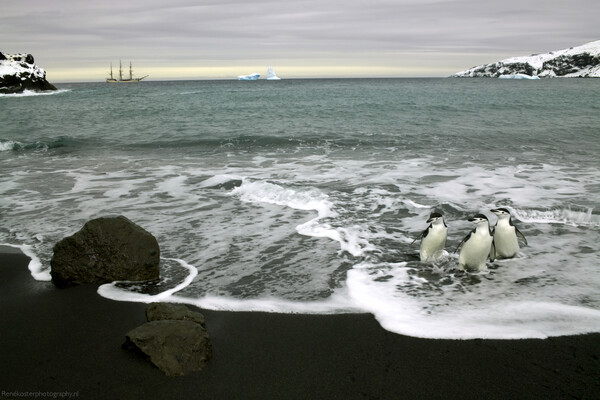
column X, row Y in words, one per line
column 18, row 73
column 576, row 62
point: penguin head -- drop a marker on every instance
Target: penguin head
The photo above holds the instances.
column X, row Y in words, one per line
column 479, row 219
column 501, row 213
column 435, row 217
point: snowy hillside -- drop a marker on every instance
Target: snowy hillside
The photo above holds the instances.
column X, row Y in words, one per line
column 576, row 62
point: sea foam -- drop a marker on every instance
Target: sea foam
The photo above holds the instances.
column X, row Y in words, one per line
column 470, row 315
column 33, row 93
column 349, row 238
column 38, row 271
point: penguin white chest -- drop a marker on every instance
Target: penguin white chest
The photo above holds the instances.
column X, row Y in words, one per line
column 433, row 244
column 475, row 251
column 505, row 240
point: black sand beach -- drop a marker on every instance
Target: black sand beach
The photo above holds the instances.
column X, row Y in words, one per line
column 68, row 342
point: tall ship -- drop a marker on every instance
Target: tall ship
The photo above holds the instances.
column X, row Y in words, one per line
column 131, row 79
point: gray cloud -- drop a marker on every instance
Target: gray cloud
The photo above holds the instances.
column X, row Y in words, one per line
column 80, row 32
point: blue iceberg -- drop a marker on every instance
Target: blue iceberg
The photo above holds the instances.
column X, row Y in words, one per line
column 252, row 77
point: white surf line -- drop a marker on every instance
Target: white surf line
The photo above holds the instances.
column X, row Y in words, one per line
column 338, row 303
column 35, row 265
column 110, row 291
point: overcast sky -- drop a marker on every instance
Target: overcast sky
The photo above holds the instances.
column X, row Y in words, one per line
column 199, row 39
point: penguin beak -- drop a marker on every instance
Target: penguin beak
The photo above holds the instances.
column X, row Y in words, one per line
column 430, row 220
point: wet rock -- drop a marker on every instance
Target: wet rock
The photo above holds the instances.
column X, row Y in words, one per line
column 106, row 250
column 173, row 339
column 168, row 311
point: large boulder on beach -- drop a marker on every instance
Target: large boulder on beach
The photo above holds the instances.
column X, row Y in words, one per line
column 175, row 341
column 105, row 250
column 18, row 73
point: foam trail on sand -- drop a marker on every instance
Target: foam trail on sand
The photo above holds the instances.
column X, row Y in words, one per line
column 111, row 291
column 336, row 304
column 35, row 265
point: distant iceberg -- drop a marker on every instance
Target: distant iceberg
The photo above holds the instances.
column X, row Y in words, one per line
column 271, row 75
column 518, row 76
column 252, row 77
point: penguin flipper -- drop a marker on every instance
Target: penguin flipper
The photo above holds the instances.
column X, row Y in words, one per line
column 417, row 238
column 462, row 241
column 422, row 235
column 521, row 236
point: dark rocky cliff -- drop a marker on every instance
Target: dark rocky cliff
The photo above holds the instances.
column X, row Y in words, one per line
column 18, row 73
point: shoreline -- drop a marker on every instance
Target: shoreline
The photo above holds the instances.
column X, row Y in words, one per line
column 69, row 341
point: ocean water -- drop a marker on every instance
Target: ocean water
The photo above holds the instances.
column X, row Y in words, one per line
column 304, row 196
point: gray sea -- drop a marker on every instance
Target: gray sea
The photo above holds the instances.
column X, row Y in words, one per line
column 304, row 196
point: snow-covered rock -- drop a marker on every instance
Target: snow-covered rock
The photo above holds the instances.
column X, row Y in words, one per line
column 577, row 62
column 18, row 72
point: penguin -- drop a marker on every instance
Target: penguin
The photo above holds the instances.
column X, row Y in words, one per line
column 506, row 235
column 477, row 245
column 433, row 239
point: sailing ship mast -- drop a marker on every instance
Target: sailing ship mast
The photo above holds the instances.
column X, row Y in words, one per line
column 131, row 79
column 112, row 78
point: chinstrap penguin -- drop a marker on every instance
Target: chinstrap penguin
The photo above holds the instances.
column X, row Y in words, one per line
column 506, row 235
column 433, row 239
column 477, row 246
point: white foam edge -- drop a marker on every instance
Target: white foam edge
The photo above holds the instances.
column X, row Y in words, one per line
column 111, row 291
column 508, row 320
column 414, row 204
column 335, row 304
column 8, row 145
column 541, row 320
column 565, row 216
column 269, row 193
column 35, row 265
column 219, row 180
column 347, row 240
column 31, row 93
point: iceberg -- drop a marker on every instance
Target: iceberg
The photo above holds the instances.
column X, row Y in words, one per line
column 252, row 77
column 271, row 75
column 518, row 76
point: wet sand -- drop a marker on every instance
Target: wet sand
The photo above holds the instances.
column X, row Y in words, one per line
column 69, row 341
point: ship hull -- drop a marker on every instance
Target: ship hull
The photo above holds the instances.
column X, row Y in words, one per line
column 124, row 80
